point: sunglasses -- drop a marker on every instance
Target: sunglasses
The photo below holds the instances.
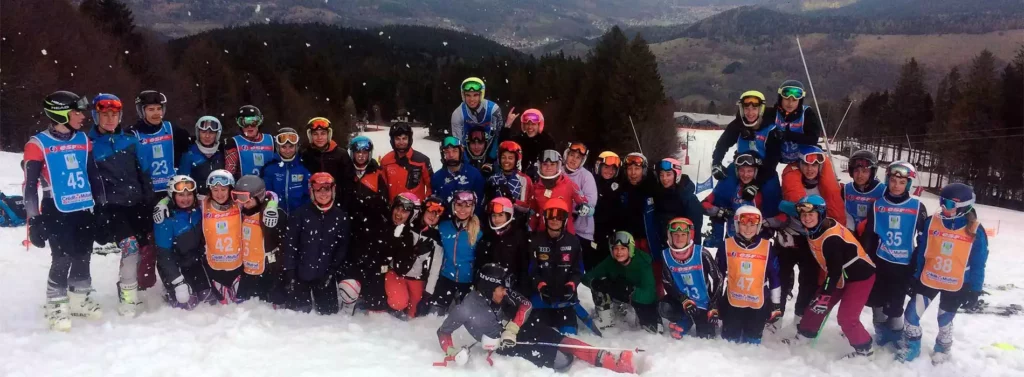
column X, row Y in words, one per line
column 287, row 138
column 805, row 208
column 635, row 160
column 108, row 105
column 747, row 160
column 612, row 161
column 472, row 86
column 532, row 118
column 184, row 186
column 240, row 196
column 251, row 121
column 791, row 92
column 749, row 219
column 319, row 124
column 814, row 158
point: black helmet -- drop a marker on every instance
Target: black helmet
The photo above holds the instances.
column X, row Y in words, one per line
column 400, row 129
column 58, row 104
column 149, row 97
column 249, row 114
column 492, row 276
column 253, row 185
column 863, row 155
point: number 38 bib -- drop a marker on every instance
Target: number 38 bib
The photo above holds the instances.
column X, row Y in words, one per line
column 945, row 256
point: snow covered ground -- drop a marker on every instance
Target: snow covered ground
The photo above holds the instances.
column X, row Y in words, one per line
column 254, row 340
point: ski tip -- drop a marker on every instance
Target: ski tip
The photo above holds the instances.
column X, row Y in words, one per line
column 1004, row 346
column 441, row 364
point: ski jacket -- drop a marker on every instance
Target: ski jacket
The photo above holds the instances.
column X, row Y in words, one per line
column 533, row 147
column 637, row 273
column 445, row 183
column 410, row 172
column 697, row 278
column 261, row 252
column 562, row 188
column 482, row 317
column 857, row 203
column 401, row 244
column 316, row 242
column 516, row 186
column 72, row 157
column 735, row 248
column 430, row 259
column 243, row 156
column 766, row 140
column 609, row 210
column 637, row 216
column 679, row 200
column 801, row 127
column 487, row 115
column 336, row 162
column 586, row 185
column 793, row 190
column 179, row 241
column 887, row 231
column 198, row 166
column 459, row 251
column 156, row 144
column 728, row 193
column 969, row 253
column 555, row 262
column 510, row 249
column 290, row 181
column 840, row 255
column 119, row 180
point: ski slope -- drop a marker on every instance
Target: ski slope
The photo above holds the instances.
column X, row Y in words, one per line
column 254, row 340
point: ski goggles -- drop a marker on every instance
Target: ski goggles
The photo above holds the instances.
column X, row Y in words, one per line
column 748, row 160
column 323, row 187
column 450, row 142
column 218, row 180
column 362, row 145
column 635, row 160
column 860, row 163
column 555, row 214
column 250, row 121
column 612, row 161
column 805, row 208
column 478, row 137
column 321, row 182
column 472, row 86
column 751, row 103
column 901, row 171
column 435, row 207
column 950, row 204
column 108, row 105
column 666, row 165
column 749, row 219
column 532, row 118
column 792, row 92
column 680, row 226
column 319, row 123
column 815, row 158
column 500, row 208
column 578, row 148
column 620, row 239
column 463, row 197
column 287, row 138
column 209, row 125
column 240, row 196
column 183, row 186
column 551, row 156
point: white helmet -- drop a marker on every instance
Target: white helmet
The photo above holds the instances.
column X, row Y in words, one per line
column 747, row 211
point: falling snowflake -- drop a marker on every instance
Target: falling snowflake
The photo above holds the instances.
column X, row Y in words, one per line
column 264, row 43
column 328, row 99
column 364, row 83
column 190, row 13
column 268, row 19
column 126, row 52
column 44, row 52
column 257, row 8
column 307, row 44
column 445, row 43
column 407, row 65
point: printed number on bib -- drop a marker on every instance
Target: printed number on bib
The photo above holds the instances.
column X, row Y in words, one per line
column 745, row 283
column 223, row 244
column 692, row 292
column 76, row 179
column 160, row 167
column 893, row 238
column 943, row 264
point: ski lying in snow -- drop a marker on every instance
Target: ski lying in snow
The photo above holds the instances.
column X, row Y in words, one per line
column 1000, row 310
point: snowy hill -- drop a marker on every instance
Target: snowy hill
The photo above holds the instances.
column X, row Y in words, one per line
column 254, row 340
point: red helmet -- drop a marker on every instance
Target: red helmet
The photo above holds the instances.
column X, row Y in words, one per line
column 556, row 208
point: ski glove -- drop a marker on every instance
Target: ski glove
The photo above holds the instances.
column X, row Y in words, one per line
column 750, row 192
column 821, row 304
column 776, row 314
column 724, row 213
column 544, row 291
column 270, row 214
column 690, row 307
column 37, row 230
column 160, row 211
column 718, row 171
column 570, row 292
column 508, row 337
column 584, row 210
column 971, row 301
column 713, row 317
column 182, row 292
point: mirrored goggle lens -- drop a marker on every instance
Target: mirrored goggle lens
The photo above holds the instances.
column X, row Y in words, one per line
column 814, row 158
column 551, row 156
column 750, row 219
column 252, row 121
column 209, row 125
column 464, row 196
column 183, row 186
column 578, row 148
column 804, row 207
column 511, row 147
column 747, row 160
column 619, row 239
column 635, row 160
column 240, row 196
column 668, row 166
column 901, row 171
column 531, row 118
column 450, row 142
column 435, row 207
column 751, row 104
column 472, row 86
column 220, row 181
column 287, row 138
column 679, row 226
column 499, row 208
column 612, row 161
column 320, row 124
column 555, row 213
column 791, row 92
column 108, row 105
column 951, row 204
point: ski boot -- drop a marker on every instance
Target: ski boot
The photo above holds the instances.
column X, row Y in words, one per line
column 622, row 364
column 909, row 349
column 56, row 312
column 127, row 300
column 860, row 351
column 797, row 340
column 884, row 335
column 677, row 329
column 82, row 305
column 942, row 353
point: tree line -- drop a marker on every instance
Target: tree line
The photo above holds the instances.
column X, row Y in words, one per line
column 294, row 72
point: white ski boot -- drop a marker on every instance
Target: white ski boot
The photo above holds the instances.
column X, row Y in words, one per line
column 57, row 314
column 128, row 300
column 104, row 249
column 83, row 306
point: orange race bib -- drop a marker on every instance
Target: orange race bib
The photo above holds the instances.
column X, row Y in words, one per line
column 253, row 252
column 819, row 255
column 746, row 273
column 945, row 256
column 222, row 230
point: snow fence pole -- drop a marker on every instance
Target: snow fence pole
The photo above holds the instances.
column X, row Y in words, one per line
column 816, row 107
column 637, row 349
column 636, row 135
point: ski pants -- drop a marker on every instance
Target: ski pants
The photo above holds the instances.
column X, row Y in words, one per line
column 672, row 310
column 533, row 331
column 321, row 294
column 268, row 287
column 446, row 292
column 225, row 284
column 799, row 256
column 192, row 269
column 920, row 299
column 126, row 227
column 70, row 236
column 889, row 294
column 647, row 314
column 743, row 325
column 562, row 317
column 851, row 299
column 404, row 293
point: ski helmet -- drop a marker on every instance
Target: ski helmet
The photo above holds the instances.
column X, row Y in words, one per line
column 58, row 105
column 106, row 102
column 491, row 276
column 180, row 183
column 463, row 196
column 813, row 203
column 410, row 202
column 637, row 159
column 812, row 155
column 748, row 158
column 622, row 238
column 902, row 169
column 556, row 208
column 747, row 214
column 607, row 158
column 360, row 143
column 286, row 135
column 863, row 159
column 249, row 186
column 511, row 147
column 550, row 155
column 220, row 177
column 319, row 181
column 577, row 147
column 501, row 205
column 249, row 115
column 751, row 97
column 478, row 133
column 680, row 224
column 400, row 129
column 473, row 84
column 149, row 97
column 319, row 123
column 209, row 123
column 450, row 142
column 533, row 116
column 958, row 197
column 672, row 165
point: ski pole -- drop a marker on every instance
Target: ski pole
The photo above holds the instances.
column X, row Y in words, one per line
column 638, row 349
column 636, row 135
column 816, row 107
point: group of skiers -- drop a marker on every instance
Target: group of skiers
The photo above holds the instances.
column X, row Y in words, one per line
column 501, row 237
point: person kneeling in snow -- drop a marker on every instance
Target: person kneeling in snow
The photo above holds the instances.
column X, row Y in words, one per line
column 624, row 277
column 692, row 281
column 180, row 250
column 261, row 239
column 493, row 302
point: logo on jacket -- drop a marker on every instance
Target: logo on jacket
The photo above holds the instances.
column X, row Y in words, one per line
column 565, row 257
column 543, row 257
